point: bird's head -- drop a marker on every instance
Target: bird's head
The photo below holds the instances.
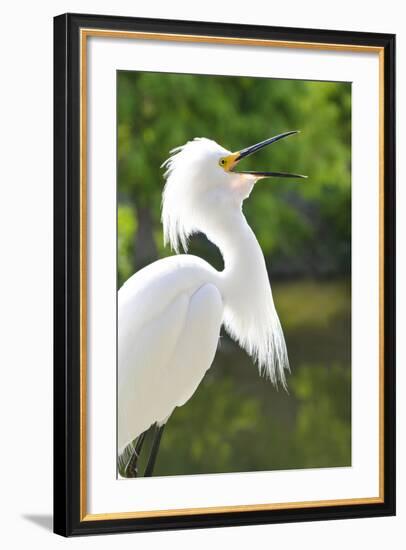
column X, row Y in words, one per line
column 203, row 185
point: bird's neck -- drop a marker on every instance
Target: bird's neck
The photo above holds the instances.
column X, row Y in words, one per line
column 249, row 311
column 245, row 276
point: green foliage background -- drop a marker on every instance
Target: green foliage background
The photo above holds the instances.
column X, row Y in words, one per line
column 237, row 421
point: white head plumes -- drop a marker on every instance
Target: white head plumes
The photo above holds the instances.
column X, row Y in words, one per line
column 193, row 183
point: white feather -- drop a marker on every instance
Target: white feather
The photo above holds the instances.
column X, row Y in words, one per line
column 163, row 353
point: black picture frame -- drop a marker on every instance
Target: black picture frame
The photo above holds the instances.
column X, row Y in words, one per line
column 68, row 520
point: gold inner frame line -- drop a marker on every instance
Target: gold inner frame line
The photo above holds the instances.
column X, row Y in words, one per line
column 84, row 34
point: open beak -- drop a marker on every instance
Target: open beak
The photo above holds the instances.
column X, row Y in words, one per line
column 235, row 158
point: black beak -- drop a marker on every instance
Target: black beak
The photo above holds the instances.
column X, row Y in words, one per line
column 254, row 148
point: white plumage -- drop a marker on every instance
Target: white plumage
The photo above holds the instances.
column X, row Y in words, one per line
column 165, row 310
column 170, row 313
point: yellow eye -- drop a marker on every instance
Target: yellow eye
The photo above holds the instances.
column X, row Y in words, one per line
column 222, row 162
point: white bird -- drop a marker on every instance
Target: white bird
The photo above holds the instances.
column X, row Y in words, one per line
column 170, row 313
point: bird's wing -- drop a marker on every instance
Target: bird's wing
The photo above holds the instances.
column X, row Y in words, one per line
column 169, row 319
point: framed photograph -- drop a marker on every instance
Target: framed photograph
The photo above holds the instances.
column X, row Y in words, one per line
column 224, row 274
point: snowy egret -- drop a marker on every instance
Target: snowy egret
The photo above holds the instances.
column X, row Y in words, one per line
column 170, row 313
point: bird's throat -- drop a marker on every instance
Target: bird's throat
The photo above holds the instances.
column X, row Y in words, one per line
column 244, row 278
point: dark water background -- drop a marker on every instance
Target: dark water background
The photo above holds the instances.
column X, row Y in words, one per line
column 237, row 421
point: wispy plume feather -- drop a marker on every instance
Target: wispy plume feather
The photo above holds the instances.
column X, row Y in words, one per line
column 182, row 169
